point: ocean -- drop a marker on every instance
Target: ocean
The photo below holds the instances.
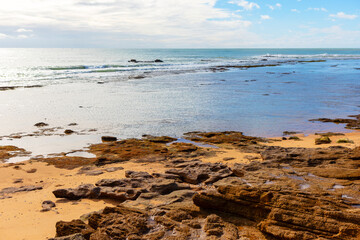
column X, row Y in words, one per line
column 261, row 92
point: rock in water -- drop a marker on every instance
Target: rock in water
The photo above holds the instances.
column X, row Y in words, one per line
column 108, row 139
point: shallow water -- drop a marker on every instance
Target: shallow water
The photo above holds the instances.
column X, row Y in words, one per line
column 174, row 97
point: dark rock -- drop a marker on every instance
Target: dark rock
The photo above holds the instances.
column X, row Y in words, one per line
column 10, row 190
column 41, row 124
column 158, row 61
column 18, row 180
column 68, row 131
column 108, row 139
column 83, row 191
column 133, row 174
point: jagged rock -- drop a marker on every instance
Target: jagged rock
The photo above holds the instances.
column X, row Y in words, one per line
column 83, row 191
column 121, row 190
column 73, row 227
column 285, row 215
column 197, row 172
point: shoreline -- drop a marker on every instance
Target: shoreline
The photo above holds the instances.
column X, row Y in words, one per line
column 25, row 207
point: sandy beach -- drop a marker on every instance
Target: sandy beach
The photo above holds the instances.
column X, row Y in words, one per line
column 22, row 215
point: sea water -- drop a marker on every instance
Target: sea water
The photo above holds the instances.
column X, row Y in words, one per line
column 101, row 89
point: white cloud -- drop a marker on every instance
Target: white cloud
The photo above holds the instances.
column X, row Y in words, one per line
column 170, row 21
column 23, row 30
column 318, row 9
column 2, row 36
column 22, row 36
column 265, row 17
column 245, row 4
column 295, row 10
column 342, row 15
column 277, row 5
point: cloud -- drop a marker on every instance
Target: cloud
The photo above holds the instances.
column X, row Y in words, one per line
column 342, row 15
column 23, row 30
column 3, row 36
column 265, row 17
column 318, row 9
column 278, row 5
column 245, row 4
column 162, row 21
column 295, row 10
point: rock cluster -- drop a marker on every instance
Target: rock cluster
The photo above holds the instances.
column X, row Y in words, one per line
column 290, row 193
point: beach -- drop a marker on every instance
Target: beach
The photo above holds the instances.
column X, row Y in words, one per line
column 180, row 144
column 23, row 210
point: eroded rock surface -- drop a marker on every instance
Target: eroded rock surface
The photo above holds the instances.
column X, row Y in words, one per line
column 290, row 193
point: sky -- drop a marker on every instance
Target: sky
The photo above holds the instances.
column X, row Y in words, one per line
column 180, row 23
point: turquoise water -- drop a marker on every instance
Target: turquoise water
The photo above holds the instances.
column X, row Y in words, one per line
column 183, row 93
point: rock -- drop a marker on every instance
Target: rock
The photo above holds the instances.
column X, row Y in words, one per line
column 41, row 124
column 47, row 205
column 94, row 173
column 158, row 61
column 322, row 140
column 238, row 170
column 108, row 139
column 162, row 139
column 114, row 169
column 350, row 123
column 73, row 227
column 33, row 170
column 83, row 191
column 294, row 138
column 196, row 173
column 284, row 215
column 133, row 174
column 72, row 124
column 133, row 61
column 76, row 236
column 286, row 133
column 18, row 180
column 345, row 140
column 68, row 131
column 10, row 190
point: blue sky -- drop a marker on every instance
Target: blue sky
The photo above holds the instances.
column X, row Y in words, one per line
column 180, row 24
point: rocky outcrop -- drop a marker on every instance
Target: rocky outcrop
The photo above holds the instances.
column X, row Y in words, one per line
column 351, row 123
column 196, row 172
column 121, row 190
column 285, row 215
